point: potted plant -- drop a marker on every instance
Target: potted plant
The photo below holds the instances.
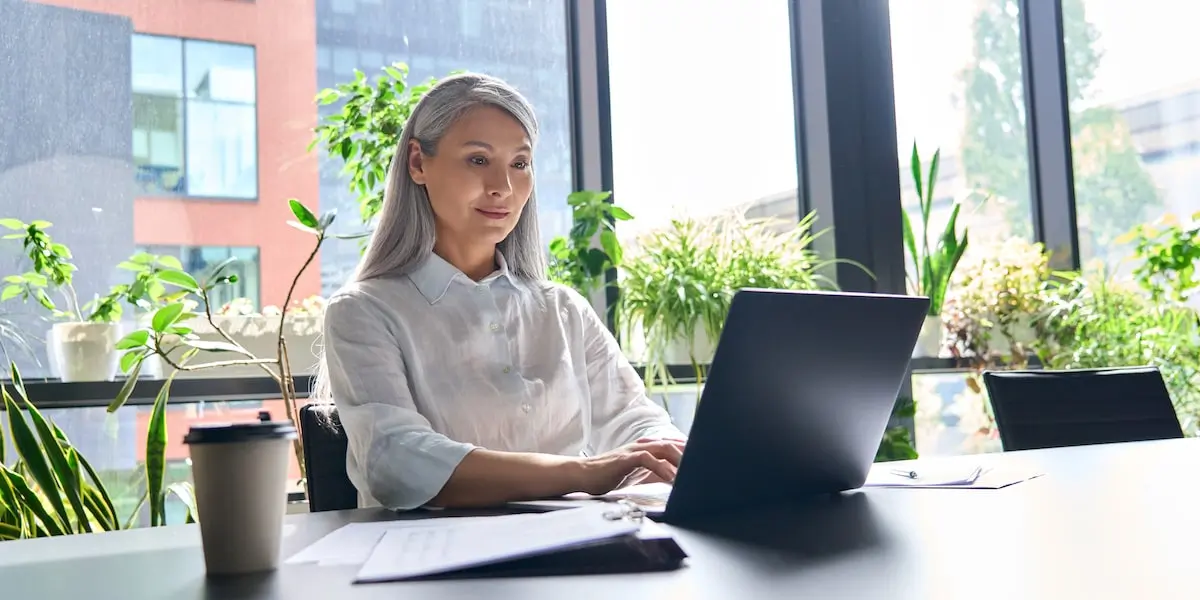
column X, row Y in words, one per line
column 932, row 267
column 168, row 336
column 51, row 488
column 82, row 343
column 1095, row 320
column 575, row 259
column 677, row 283
column 997, row 297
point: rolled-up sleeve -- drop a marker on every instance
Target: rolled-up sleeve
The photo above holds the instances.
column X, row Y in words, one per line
column 621, row 411
column 394, row 452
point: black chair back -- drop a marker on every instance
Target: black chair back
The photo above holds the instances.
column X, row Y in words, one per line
column 325, row 446
column 1051, row 409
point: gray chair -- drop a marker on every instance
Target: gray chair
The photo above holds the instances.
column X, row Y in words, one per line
column 325, row 446
column 1050, row 409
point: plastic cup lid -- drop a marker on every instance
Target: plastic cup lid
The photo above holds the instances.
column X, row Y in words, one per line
column 222, row 433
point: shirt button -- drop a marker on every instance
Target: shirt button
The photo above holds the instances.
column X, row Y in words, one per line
column 507, row 369
column 495, row 326
column 526, row 407
column 480, row 288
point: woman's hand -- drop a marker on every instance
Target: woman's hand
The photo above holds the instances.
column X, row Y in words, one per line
column 644, row 461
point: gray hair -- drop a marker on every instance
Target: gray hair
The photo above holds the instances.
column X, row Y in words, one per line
column 404, row 233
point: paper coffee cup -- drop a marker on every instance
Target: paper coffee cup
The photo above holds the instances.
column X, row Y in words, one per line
column 240, row 471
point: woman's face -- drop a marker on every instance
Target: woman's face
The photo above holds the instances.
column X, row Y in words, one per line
column 480, row 177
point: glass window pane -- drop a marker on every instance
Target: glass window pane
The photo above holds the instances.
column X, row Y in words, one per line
column 664, row 141
column 220, row 72
column 951, row 417
column 1134, row 126
column 157, row 65
column 158, row 143
column 960, row 92
column 221, row 150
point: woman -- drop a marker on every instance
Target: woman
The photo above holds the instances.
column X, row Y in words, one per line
column 461, row 376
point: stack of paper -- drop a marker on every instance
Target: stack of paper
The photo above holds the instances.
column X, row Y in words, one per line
column 396, row 550
column 445, row 547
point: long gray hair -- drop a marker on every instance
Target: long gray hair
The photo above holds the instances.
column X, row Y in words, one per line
column 405, row 233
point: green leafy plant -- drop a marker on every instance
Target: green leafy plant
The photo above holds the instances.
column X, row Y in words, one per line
column 1168, row 253
column 897, row 443
column 52, row 274
column 932, row 266
column 168, row 337
column 52, row 489
column 366, row 130
column 1096, row 321
column 995, row 305
column 574, row 259
column 677, row 284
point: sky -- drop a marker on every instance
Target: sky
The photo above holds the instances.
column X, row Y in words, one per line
column 702, row 90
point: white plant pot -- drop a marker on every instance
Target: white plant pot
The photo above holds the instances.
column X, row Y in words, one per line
column 85, row 351
column 259, row 335
column 676, row 352
column 929, row 342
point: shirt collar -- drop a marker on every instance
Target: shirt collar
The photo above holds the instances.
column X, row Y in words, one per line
column 434, row 276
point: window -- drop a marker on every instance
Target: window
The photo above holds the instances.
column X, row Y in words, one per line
column 670, row 157
column 960, row 92
column 1134, row 127
column 200, row 260
column 689, row 170
column 957, row 74
column 194, row 106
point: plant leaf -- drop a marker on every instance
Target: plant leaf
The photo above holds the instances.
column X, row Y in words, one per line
column 9, row 532
column 303, row 227
column 33, row 503
column 166, row 316
column 612, row 247
column 179, row 279
column 186, row 494
column 156, row 446
column 98, row 486
column 67, row 477
column 126, row 388
column 137, row 339
column 137, row 508
column 917, row 175
column 305, row 216
column 31, row 455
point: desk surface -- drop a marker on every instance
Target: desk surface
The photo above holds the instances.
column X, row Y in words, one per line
column 1115, row 521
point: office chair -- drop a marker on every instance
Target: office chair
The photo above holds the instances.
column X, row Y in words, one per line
column 1050, row 409
column 325, row 446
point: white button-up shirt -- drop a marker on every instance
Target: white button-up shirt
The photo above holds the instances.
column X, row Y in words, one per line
column 425, row 367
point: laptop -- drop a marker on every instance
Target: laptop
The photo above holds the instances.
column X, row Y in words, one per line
column 798, row 397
